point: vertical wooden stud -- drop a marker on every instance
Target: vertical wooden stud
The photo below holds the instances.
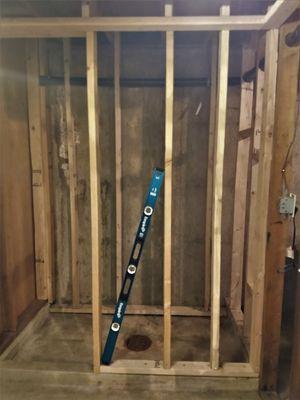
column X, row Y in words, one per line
column 279, row 225
column 118, row 155
column 251, row 256
column 241, row 183
column 294, row 384
column 94, row 150
column 169, row 93
column 85, row 8
column 38, row 169
column 218, row 191
column 72, row 174
column 46, row 151
column 264, row 171
column 211, row 137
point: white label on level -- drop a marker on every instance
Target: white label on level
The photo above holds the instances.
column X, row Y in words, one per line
column 120, row 310
column 153, row 192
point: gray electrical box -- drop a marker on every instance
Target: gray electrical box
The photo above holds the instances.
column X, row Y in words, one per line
column 287, row 205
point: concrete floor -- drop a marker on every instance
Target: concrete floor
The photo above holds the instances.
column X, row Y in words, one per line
column 55, row 362
column 67, row 338
column 75, row 392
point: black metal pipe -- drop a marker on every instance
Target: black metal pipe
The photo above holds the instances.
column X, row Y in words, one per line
column 292, row 39
column 149, row 82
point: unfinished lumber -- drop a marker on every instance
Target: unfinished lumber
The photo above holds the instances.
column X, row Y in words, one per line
column 218, row 190
column 78, row 26
column 211, row 137
column 72, row 174
column 279, row 12
column 94, row 151
column 294, row 384
column 17, row 255
column 251, row 252
column 241, row 183
column 280, row 185
column 180, row 368
column 38, row 170
column 46, row 151
column 85, row 8
column 118, row 155
column 169, row 104
column 264, row 172
column 254, row 174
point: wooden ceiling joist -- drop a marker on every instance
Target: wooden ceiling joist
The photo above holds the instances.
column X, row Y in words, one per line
column 78, row 26
column 279, row 13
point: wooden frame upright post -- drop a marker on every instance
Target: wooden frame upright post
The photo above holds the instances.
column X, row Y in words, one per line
column 255, row 148
column 118, row 155
column 218, row 191
column 96, row 233
column 264, row 172
column 48, row 184
column 169, row 93
column 241, row 184
column 40, row 176
column 281, row 183
column 211, row 139
column 72, row 174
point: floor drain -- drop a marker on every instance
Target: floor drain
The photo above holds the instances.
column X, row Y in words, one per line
column 138, row 343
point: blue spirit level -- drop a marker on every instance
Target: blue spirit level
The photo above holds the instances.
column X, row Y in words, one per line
column 152, row 195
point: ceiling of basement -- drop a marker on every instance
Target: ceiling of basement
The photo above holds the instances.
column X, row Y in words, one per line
column 63, row 8
column 72, row 8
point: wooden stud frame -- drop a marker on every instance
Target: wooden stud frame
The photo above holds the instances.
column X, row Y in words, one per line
column 93, row 121
column 118, row 155
column 264, row 171
column 88, row 26
column 169, row 93
column 209, row 190
column 279, row 233
column 40, row 175
column 221, row 106
column 72, row 174
column 241, row 182
column 77, row 27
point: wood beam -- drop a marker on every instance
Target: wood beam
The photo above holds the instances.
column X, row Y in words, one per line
column 250, row 261
column 40, row 198
column 264, row 172
column 218, row 191
column 211, row 139
column 185, row 368
column 279, row 12
column 96, row 232
column 279, row 225
column 241, row 183
column 118, row 156
column 78, row 26
column 48, row 184
column 72, row 173
column 169, row 104
column 294, row 384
